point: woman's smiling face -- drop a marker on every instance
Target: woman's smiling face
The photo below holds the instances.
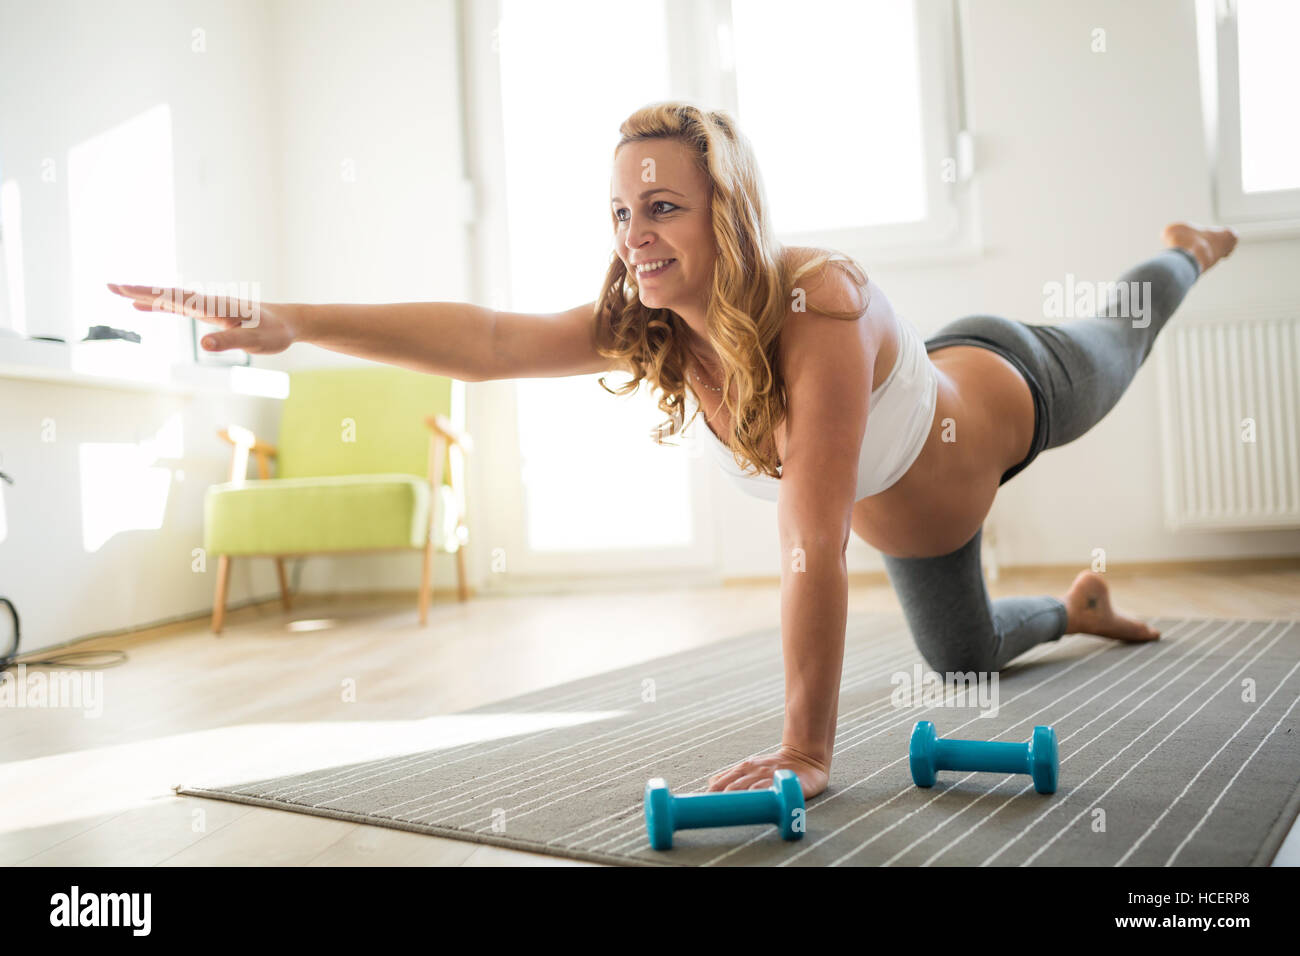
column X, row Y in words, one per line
column 661, row 211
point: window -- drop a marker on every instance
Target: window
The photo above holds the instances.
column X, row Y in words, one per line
column 1249, row 77
column 815, row 94
column 818, row 92
column 122, row 222
column 593, row 482
column 866, row 81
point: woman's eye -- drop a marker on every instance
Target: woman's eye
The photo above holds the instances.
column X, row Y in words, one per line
column 658, row 202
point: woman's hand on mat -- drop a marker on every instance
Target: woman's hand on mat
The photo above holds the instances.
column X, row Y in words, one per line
column 261, row 328
column 756, row 772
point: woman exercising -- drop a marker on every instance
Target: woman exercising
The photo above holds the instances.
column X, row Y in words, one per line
column 805, row 375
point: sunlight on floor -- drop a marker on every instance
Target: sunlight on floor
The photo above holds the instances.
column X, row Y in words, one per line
column 321, row 624
column 118, row 778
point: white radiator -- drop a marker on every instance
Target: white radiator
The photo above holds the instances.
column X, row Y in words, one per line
column 1230, row 419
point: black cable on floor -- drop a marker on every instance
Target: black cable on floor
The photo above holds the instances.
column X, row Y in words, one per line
column 72, row 659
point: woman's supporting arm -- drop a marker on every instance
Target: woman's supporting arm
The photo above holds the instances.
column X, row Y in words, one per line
column 814, row 615
column 827, row 364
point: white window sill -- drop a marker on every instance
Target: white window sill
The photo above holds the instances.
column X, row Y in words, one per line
column 117, row 365
column 962, row 242
column 1265, row 230
column 922, row 256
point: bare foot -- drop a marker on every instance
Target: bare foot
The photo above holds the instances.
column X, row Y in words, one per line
column 1088, row 605
column 1208, row 243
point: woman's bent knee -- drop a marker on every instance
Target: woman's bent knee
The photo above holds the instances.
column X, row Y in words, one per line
column 951, row 657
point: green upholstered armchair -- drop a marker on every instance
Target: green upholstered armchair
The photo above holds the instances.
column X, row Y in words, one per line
column 361, row 451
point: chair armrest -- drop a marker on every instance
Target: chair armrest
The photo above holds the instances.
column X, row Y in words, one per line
column 238, row 435
column 244, row 441
column 441, row 425
column 449, row 445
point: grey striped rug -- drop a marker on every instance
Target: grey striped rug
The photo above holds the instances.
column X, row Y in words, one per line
column 1185, row 751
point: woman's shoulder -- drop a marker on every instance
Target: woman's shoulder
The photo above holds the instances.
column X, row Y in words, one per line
column 838, row 284
column 850, row 292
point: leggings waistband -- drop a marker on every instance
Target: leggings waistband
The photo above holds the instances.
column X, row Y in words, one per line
column 1040, row 401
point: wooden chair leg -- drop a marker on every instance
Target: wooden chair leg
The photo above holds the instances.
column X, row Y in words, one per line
column 219, row 603
column 284, row 583
column 426, row 578
column 462, row 582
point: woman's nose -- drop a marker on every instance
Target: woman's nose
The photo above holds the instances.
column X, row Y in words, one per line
column 636, row 234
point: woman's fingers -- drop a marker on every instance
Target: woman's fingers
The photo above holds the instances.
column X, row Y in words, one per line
column 151, row 298
column 719, row 780
column 225, row 322
column 217, row 309
column 146, row 294
column 242, row 324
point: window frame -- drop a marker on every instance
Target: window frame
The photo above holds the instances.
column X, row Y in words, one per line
column 700, row 34
column 493, row 405
column 1260, row 212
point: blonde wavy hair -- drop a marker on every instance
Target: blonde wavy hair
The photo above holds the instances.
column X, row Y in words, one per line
column 754, row 278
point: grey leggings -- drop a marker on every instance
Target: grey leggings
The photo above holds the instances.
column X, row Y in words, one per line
column 1076, row 370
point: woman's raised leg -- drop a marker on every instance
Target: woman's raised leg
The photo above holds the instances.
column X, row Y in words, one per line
column 1078, row 371
column 1085, row 365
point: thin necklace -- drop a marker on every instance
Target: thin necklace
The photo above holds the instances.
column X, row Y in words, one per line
column 704, row 383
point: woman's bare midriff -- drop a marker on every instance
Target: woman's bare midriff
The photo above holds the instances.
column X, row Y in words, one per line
column 985, row 411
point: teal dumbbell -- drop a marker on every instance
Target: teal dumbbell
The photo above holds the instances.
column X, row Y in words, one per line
column 929, row 753
column 781, row 803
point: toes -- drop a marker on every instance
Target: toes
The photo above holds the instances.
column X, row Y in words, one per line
column 1137, row 631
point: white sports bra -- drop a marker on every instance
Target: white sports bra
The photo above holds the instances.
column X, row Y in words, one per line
column 899, row 417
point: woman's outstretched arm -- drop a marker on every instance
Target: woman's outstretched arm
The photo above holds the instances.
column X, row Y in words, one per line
column 456, row 339
column 462, row 341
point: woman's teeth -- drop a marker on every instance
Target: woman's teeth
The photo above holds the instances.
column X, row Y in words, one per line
column 652, row 267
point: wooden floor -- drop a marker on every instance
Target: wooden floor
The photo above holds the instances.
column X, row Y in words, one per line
column 353, row 678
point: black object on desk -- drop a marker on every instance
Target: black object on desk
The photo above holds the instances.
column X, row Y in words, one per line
column 106, row 332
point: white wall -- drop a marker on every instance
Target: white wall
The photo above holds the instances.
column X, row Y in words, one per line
column 68, row 493
column 73, row 69
column 367, row 91
column 1082, row 158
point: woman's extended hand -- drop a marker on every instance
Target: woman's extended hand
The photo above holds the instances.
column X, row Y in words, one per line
column 756, row 773
column 256, row 327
